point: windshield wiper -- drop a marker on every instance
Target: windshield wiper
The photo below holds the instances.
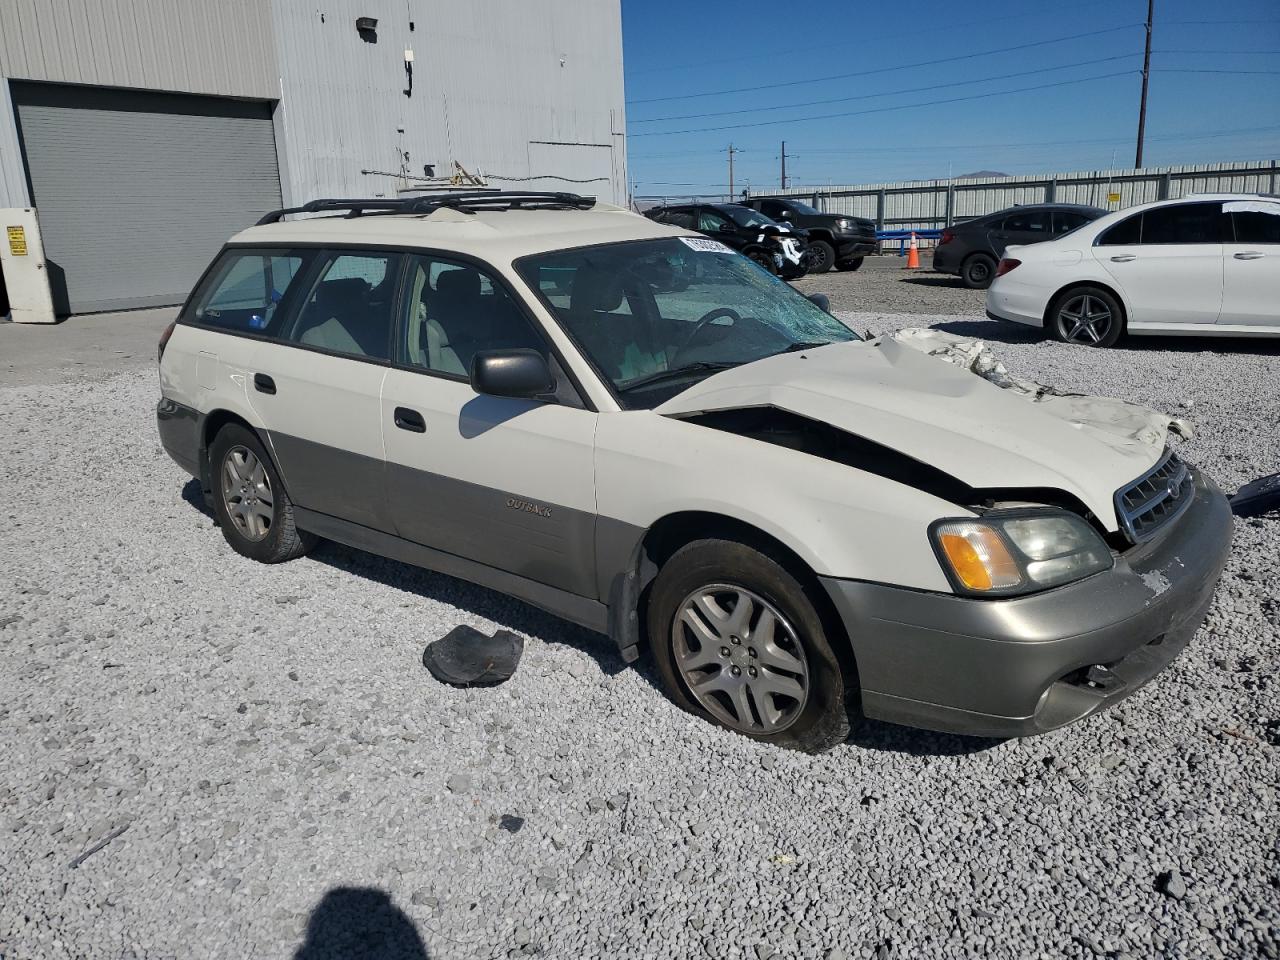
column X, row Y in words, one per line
column 797, row 347
column 677, row 372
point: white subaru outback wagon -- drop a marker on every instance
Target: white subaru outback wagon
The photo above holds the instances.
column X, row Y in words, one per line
column 639, row 430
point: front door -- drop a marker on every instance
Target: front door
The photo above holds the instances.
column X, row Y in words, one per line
column 1168, row 262
column 318, row 387
column 1251, row 264
column 507, row 482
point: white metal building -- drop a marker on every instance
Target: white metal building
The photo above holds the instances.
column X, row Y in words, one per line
column 145, row 132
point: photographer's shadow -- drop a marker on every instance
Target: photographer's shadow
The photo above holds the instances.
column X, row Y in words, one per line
column 360, row 923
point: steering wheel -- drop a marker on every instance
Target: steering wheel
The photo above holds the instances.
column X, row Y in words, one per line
column 708, row 317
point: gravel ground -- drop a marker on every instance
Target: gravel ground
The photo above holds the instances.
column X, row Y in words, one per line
column 885, row 284
column 288, row 777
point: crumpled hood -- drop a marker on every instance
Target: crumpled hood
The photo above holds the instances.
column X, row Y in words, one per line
column 948, row 417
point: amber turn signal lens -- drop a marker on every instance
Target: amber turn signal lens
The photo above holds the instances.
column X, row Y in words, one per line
column 979, row 557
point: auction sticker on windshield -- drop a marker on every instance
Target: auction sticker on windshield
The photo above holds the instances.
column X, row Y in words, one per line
column 704, row 245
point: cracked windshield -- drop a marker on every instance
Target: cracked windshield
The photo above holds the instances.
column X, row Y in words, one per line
column 655, row 316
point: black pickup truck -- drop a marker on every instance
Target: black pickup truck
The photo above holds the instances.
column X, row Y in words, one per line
column 834, row 240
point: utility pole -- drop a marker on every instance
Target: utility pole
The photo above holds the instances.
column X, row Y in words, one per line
column 1146, row 73
column 732, row 151
column 784, row 164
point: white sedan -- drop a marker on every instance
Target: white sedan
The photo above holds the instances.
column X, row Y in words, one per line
column 1201, row 265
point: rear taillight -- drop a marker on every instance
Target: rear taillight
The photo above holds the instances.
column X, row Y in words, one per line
column 947, row 237
column 1007, row 264
column 164, row 340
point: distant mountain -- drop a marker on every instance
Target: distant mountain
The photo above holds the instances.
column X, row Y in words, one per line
column 979, row 175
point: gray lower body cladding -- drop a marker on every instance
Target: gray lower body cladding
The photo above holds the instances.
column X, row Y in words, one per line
column 180, row 434
column 1016, row 667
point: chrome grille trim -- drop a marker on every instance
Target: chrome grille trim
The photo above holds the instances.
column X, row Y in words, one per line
column 1157, row 498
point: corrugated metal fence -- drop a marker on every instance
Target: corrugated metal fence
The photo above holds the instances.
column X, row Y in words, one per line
column 930, row 204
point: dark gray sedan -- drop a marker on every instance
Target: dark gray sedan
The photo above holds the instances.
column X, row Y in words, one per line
column 972, row 249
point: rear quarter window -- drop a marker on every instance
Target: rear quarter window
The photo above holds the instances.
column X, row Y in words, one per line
column 245, row 289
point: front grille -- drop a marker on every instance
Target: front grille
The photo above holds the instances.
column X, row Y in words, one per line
column 1155, row 499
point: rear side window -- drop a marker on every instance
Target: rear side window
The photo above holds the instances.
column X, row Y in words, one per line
column 680, row 218
column 246, row 288
column 1029, row 221
column 1183, row 223
column 350, row 307
column 1254, row 226
column 1124, row 233
column 1064, row 221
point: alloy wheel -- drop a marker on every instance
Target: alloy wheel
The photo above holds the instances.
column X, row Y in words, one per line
column 246, row 493
column 1084, row 319
column 740, row 658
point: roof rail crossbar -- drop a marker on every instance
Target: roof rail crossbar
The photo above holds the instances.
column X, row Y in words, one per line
column 466, row 202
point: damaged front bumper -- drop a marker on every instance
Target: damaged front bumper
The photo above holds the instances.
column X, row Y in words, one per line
column 1001, row 668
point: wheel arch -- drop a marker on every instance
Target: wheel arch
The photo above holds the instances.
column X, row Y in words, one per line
column 214, row 421
column 1066, row 288
column 629, row 598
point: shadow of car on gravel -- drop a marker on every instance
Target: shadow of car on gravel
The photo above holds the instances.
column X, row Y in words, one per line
column 504, row 611
column 892, row 738
column 936, row 280
column 360, row 923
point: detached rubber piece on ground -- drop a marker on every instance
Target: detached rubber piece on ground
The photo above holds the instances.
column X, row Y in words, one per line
column 1257, row 496
column 465, row 657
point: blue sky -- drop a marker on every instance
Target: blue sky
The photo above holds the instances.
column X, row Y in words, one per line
column 681, row 56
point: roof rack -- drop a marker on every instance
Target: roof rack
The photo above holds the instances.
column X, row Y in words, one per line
column 468, row 202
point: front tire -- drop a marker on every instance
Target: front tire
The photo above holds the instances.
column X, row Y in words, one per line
column 850, row 265
column 1088, row 316
column 252, row 507
column 739, row 642
column 764, row 260
column 822, row 256
column 978, row 271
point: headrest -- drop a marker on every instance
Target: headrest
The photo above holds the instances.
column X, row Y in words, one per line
column 595, row 288
column 459, row 283
column 342, row 289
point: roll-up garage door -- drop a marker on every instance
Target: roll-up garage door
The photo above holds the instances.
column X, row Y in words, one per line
column 136, row 191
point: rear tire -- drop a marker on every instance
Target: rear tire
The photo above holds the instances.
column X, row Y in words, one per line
column 978, row 271
column 850, row 265
column 822, row 256
column 1086, row 316
column 789, row 688
column 249, row 501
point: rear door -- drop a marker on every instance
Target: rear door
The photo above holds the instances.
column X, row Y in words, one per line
column 1251, row 264
column 502, row 481
column 318, row 386
column 1167, row 262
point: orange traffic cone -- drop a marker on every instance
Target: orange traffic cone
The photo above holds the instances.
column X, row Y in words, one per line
column 913, row 254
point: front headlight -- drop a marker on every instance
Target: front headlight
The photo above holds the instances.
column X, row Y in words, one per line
column 1007, row 553
column 844, row 226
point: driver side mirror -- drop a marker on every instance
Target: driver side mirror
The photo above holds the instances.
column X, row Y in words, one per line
column 820, row 300
column 511, row 373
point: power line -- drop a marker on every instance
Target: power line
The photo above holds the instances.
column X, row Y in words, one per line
column 808, row 49
column 1255, row 73
column 891, row 93
column 904, row 66
column 904, row 106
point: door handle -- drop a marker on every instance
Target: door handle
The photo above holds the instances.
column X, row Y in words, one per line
column 263, row 384
column 1124, row 258
column 1249, row 255
column 410, row 420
